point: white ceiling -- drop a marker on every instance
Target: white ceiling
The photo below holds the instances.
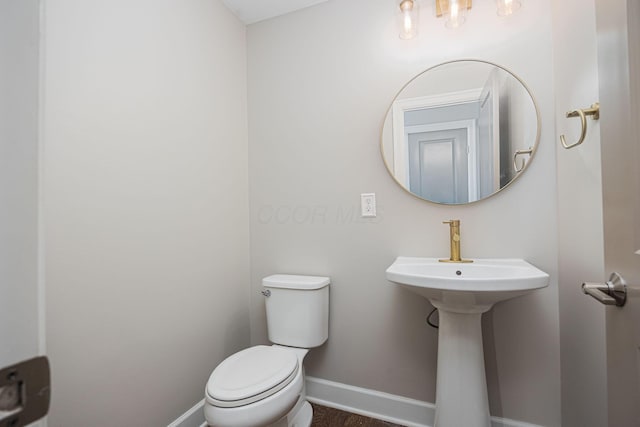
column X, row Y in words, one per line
column 251, row 11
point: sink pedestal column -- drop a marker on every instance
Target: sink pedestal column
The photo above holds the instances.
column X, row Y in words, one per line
column 461, row 385
column 462, row 292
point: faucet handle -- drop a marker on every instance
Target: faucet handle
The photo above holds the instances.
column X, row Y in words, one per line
column 454, row 234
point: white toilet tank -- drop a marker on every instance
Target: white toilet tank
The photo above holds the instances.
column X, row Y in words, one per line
column 297, row 309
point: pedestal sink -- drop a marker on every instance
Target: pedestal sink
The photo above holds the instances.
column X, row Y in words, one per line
column 462, row 292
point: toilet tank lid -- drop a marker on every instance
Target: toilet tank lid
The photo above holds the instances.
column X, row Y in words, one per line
column 293, row 281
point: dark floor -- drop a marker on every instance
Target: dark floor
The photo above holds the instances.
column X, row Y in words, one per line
column 329, row 417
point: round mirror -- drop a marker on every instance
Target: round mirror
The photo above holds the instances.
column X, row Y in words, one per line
column 460, row 132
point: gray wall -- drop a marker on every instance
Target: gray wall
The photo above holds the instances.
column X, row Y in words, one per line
column 320, row 82
column 19, row 50
column 146, row 210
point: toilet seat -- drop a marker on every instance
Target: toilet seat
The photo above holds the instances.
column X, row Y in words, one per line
column 251, row 375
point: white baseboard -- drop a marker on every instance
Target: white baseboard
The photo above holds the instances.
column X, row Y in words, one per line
column 370, row 403
column 357, row 400
column 194, row 417
column 382, row 406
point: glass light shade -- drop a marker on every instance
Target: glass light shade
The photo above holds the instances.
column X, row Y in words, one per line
column 456, row 13
column 507, row 7
column 408, row 19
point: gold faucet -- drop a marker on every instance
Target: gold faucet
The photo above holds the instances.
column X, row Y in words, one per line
column 454, row 231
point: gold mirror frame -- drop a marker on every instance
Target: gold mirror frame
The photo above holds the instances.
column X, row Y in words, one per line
column 531, row 151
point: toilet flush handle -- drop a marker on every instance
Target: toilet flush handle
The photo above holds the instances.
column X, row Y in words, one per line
column 266, row 293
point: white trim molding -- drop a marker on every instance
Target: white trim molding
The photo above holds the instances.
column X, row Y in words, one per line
column 194, row 417
column 382, row 406
column 369, row 403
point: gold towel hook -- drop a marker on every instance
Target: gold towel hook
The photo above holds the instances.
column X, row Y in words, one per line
column 517, row 168
column 593, row 111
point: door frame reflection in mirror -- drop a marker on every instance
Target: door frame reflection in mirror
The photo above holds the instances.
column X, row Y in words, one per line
column 402, row 132
column 395, row 118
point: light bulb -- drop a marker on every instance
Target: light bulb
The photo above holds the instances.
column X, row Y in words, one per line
column 408, row 19
column 507, row 7
column 456, row 13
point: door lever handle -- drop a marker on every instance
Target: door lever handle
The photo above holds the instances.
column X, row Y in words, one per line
column 612, row 292
column 25, row 391
column 598, row 291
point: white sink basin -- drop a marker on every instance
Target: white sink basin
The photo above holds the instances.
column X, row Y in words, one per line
column 462, row 292
column 472, row 287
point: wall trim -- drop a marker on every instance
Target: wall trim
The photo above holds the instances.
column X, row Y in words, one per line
column 370, row 403
column 383, row 406
column 194, row 417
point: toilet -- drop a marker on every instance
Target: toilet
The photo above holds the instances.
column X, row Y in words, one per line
column 264, row 385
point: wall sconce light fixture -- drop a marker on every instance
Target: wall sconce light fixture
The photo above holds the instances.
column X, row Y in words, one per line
column 453, row 11
column 408, row 19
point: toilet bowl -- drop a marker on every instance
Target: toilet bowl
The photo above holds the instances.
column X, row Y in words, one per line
column 257, row 386
column 264, row 385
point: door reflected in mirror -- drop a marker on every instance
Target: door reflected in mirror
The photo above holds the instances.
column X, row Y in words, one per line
column 460, row 132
